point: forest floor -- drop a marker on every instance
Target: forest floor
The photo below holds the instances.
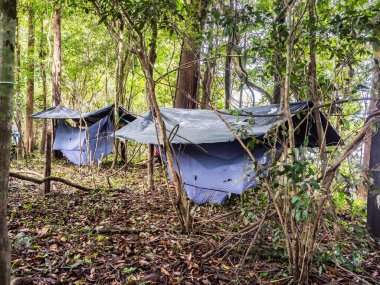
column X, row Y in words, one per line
column 132, row 236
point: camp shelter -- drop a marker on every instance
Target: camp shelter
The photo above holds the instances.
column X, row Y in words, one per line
column 91, row 138
column 211, row 161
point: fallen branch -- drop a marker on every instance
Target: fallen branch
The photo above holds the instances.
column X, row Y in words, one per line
column 50, row 178
column 30, row 172
column 108, row 231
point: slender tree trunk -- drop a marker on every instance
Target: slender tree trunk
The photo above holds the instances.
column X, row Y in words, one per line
column 29, row 130
column 208, row 75
column 119, row 89
column 47, row 163
column 227, row 62
column 44, row 89
column 19, row 112
column 182, row 204
column 7, row 56
column 279, row 61
column 227, row 74
column 150, row 167
column 206, row 86
column 56, row 80
column 56, row 84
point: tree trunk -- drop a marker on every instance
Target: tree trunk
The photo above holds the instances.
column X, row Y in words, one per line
column 206, row 86
column 208, row 74
column 118, row 90
column 186, row 94
column 19, row 112
column 364, row 179
column 373, row 200
column 181, row 203
column 227, row 62
column 29, row 131
column 42, row 56
column 56, row 80
column 278, row 57
column 227, row 74
column 187, row 89
column 7, row 57
column 47, row 163
column 150, row 167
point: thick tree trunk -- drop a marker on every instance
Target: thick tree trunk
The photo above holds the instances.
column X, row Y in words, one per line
column 187, row 89
column 56, row 80
column 186, row 94
column 373, row 200
column 44, row 89
column 7, row 47
column 29, row 130
column 364, row 179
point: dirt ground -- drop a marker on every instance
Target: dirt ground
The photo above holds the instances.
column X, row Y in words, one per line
column 129, row 235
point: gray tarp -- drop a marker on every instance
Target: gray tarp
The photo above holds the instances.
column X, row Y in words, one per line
column 204, row 126
column 90, row 118
column 212, row 163
column 58, row 112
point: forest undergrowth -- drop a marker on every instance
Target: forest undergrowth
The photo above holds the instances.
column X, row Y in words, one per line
column 129, row 235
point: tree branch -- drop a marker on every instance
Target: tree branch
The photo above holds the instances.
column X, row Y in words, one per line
column 50, row 178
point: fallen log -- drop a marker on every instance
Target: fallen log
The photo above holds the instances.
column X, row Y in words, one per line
column 50, row 178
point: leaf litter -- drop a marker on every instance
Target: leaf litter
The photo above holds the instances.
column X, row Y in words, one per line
column 133, row 237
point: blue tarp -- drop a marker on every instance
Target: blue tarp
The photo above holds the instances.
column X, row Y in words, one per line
column 212, row 172
column 80, row 146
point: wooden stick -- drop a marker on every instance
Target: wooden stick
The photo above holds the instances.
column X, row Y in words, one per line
column 47, row 162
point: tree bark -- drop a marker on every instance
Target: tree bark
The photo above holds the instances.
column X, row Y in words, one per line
column 208, row 74
column 119, row 78
column 186, row 94
column 19, row 112
column 227, row 73
column 56, row 84
column 227, row 62
column 150, row 167
column 29, row 130
column 373, row 200
column 187, row 89
column 56, row 71
column 7, row 57
column 47, row 163
column 42, row 55
column 278, row 57
column 206, row 85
